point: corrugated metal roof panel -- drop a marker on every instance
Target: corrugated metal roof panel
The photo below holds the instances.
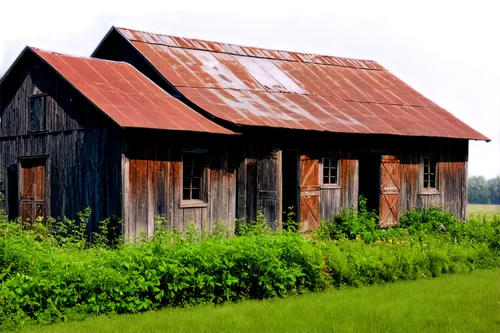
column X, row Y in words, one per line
column 257, row 87
column 126, row 95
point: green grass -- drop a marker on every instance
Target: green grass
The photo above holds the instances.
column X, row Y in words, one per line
column 453, row 303
column 489, row 210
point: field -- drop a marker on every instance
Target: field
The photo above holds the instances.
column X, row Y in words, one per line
column 452, row 303
column 489, row 210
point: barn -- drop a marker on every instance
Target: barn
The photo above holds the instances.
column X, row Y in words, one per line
column 198, row 132
column 64, row 130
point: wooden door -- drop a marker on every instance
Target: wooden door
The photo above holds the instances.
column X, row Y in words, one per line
column 32, row 189
column 269, row 188
column 309, row 193
column 389, row 190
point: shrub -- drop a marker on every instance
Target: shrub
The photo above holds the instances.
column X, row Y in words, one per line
column 46, row 278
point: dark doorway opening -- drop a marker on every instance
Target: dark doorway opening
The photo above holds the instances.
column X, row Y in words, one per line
column 369, row 180
column 290, row 184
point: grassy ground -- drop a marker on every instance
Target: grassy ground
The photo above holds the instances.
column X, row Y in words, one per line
column 453, row 303
column 489, row 210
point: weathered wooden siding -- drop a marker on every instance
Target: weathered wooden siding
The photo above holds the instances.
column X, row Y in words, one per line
column 453, row 179
column 451, row 191
column 259, row 184
column 451, row 156
column 83, row 146
column 153, row 185
column 344, row 196
column 331, row 200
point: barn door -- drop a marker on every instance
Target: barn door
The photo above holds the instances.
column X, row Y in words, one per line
column 269, row 188
column 32, row 189
column 389, row 191
column 309, row 193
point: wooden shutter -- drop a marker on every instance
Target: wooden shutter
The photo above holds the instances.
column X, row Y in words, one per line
column 309, row 193
column 389, row 190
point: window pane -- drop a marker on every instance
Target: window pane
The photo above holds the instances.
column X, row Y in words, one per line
column 196, row 182
column 326, row 180
column 193, row 172
column 429, row 172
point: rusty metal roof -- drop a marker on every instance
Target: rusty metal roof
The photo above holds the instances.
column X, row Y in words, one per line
column 258, row 87
column 127, row 96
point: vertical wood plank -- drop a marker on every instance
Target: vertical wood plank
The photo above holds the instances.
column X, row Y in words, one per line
column 126, row 198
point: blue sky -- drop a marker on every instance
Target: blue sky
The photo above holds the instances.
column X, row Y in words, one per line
column 447, row 50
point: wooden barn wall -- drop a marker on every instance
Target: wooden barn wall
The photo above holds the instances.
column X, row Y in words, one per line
column 331, row 200
column 259, row 185
column 152, row 180
column 345, row 195
column 83, row 146
column 451, row 157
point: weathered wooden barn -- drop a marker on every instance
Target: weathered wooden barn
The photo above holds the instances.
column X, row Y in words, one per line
column 199, row 131
column 65, row 122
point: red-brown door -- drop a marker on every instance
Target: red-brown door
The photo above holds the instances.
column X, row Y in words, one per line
column 32, row 189
column 389, row 190
column 309, row 193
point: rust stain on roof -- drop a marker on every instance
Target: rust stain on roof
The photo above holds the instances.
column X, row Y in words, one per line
column 259, row 87
column 126, row 95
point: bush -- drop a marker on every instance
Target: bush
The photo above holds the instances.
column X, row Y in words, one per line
column 350, row 224
column 45, row 279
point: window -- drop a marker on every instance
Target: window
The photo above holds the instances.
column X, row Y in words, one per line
column 429, row 172
column 38, row 113
column 193, row 173
column 330, row 170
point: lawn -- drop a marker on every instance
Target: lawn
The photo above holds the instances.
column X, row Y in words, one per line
column 489, row 210
column 451, row 303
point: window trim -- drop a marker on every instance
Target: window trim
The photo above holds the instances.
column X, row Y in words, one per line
column 204, row 184
column 321, row 172
column 45, row 129
column 429, row 190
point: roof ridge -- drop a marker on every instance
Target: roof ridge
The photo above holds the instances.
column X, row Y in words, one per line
column 252, row 46
column 33, row 48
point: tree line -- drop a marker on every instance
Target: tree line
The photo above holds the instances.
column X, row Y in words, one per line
column 482, row 191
